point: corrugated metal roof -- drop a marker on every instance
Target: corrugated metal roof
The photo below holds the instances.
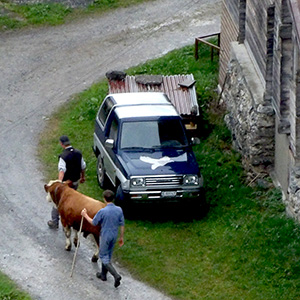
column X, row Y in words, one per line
column 182, row 97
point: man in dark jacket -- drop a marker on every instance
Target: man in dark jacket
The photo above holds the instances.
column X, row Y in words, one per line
column 71, row 166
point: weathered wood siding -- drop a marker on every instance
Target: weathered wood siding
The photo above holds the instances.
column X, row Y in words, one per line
column 256, row 32
column 233, row 9
column 229, row 33
column 297, row 107
column 274, row 90
column 294, row 21
column 270, row 71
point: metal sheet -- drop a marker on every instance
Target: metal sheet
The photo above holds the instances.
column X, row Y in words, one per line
column 183, row 98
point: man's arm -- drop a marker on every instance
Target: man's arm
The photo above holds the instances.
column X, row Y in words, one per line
column 86, row 216
column 61, row 175
column 121, row 239
column 82, row 176
column 61, row 169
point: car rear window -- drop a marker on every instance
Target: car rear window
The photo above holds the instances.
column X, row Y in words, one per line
column 105, row 109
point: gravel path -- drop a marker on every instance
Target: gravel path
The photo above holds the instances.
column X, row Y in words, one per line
column 39, row 70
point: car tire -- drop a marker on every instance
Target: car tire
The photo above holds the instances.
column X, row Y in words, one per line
column 201, row 207
column 121, row 199
column 102, row 178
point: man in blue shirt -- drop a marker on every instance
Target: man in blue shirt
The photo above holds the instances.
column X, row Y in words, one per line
column 110, row 218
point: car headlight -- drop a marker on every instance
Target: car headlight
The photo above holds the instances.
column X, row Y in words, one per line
column 190, row 180
column 138, row 181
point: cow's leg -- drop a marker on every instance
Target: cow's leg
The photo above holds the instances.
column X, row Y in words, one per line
column 67, row 231
column 96, row 254
column 75, row 239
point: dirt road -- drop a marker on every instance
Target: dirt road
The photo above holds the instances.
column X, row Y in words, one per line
column 39, row 70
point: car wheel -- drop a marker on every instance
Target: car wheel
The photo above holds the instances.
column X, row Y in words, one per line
column 101, row 174
column 121, row 199
column 201, row 207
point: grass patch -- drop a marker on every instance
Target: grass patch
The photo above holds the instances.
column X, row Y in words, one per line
column 15, row 16
column 9, row 291
column 245, row 248
column 105, row 5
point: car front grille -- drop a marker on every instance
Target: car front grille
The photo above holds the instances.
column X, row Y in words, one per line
column 163, row 181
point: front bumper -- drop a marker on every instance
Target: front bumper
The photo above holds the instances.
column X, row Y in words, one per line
column 165, row 196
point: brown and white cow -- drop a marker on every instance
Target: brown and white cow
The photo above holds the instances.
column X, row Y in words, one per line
column 70, row 204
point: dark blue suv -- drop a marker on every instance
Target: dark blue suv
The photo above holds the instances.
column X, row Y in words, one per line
column 142, row 149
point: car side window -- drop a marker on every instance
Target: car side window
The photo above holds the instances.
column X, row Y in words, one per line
column 105, row 110
column 113, row 132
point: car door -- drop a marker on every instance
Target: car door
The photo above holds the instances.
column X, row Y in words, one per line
column 110, row 158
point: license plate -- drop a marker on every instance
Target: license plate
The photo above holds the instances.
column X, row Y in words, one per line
column 168, row 194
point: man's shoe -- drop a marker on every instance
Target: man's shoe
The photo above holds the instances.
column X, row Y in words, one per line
column 101, row 276
column 109, row 267
column 52, row 224
column 118, row 281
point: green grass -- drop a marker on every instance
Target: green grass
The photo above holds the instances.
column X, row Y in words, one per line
column 78, row 124
column 9, row 291
column 16, row 16
column 245, row 248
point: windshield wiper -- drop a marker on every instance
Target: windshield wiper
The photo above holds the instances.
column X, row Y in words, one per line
column 139, row 149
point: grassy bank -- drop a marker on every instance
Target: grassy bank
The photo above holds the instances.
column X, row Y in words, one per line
column 245, row 248
column 9, row 291
column 16, row 16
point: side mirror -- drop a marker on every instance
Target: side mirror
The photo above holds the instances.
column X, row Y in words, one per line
column 195, row 141
column 109, row 143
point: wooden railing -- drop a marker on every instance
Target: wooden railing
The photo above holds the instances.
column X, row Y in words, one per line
column 202, row 39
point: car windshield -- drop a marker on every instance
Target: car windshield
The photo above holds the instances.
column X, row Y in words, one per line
column 153, row 134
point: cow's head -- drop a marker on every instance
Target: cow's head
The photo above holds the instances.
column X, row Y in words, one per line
column 51, row 189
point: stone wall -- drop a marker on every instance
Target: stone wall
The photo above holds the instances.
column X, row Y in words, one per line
column 262, row 91
column 293, row 200
column 250, row 116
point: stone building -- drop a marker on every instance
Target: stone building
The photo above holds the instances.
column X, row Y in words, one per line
column 259, row 81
